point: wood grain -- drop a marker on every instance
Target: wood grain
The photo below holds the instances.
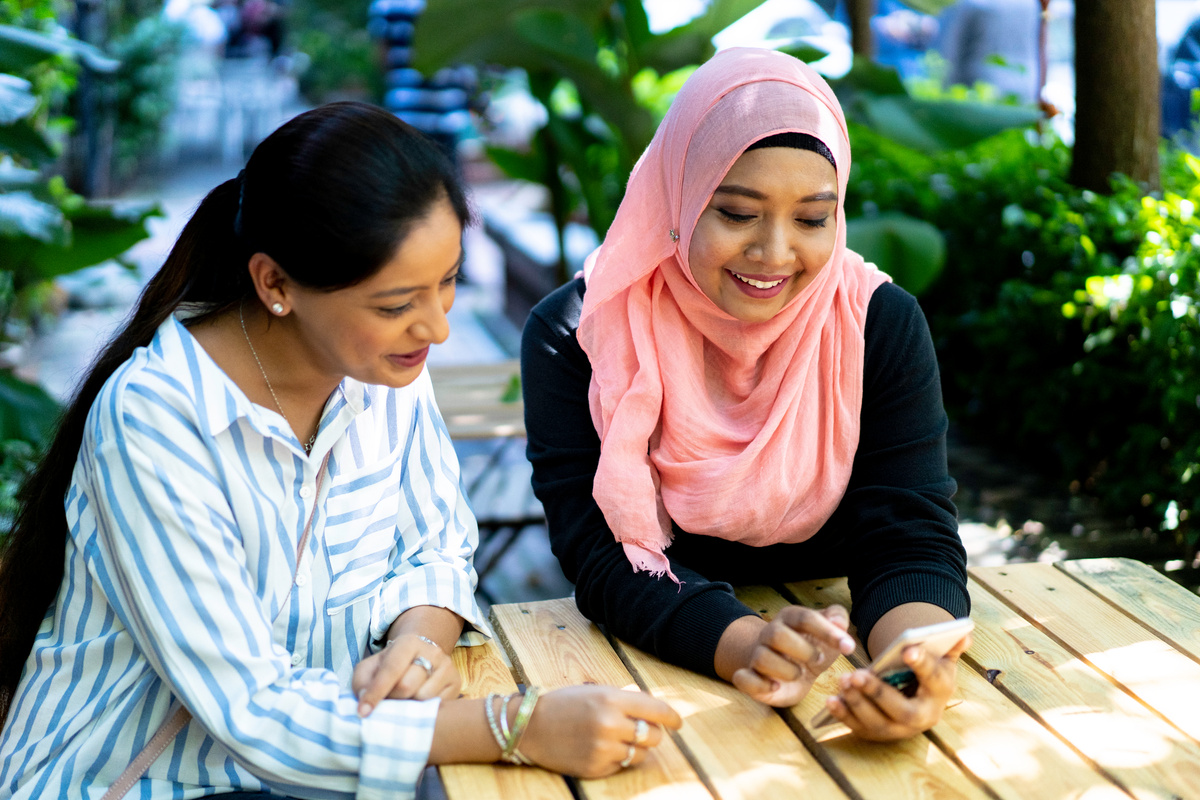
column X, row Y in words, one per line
column 1117, row 733
column 764, row 760
column 1104, row 636
column 909, row 769
column 1156, row 601
column 552, row 645
column 484, row 670
column 992, row 737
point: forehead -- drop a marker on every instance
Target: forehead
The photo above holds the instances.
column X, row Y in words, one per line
column 431, row 248
column 782, row 171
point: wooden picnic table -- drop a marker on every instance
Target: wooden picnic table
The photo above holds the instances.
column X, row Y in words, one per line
column 1083, row 682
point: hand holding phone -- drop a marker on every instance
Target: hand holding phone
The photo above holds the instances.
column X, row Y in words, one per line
column 937, row 639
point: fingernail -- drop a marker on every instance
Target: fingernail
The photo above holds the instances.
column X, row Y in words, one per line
column 364, row 709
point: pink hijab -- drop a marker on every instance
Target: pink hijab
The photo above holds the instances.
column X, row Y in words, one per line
column 746, row 431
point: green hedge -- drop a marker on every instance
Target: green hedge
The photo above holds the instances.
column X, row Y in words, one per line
column 1065, row 321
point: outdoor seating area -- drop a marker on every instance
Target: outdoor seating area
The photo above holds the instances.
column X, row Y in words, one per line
column 1080, row 683
column 901, row 292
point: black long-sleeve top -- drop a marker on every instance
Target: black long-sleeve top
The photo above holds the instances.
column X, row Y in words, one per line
column 894, row 534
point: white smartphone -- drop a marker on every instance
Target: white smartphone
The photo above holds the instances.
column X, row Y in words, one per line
column 937, row 639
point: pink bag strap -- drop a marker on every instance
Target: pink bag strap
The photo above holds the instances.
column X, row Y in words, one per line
column 171, row 727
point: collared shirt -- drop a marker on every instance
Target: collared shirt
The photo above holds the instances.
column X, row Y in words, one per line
column 185, row 511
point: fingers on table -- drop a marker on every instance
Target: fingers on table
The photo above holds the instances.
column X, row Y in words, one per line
column 824, row 628
column 639, row 705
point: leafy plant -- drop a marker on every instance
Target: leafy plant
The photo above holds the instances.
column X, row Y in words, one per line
column 45, row 230
column 1065, row 321
column 341, row 58
column 144, row 86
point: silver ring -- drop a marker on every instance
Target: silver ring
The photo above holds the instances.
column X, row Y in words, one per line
column 641, row 732
column 628, row 757
column 424, row 663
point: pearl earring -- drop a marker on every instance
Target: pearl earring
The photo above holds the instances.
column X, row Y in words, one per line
column 277, row 308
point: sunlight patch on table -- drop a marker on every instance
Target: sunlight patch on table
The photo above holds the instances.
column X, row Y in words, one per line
column 1112, row 739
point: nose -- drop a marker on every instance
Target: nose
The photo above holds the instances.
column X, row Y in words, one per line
column 772, row 247
column 432, row 325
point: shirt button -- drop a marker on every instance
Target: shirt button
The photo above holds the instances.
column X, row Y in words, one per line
column 301, row 580
column 306, row 492
column 297, row 660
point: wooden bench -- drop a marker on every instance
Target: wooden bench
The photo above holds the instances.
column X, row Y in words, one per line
column 1083, row 682
column 485, row 415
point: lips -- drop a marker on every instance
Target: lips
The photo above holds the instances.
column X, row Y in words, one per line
column 759, row 286
column 413, row 359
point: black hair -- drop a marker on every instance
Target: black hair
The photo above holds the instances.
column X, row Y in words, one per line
column 800, row 141
column 329, row 196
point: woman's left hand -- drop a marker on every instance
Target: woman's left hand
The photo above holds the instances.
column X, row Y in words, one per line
column 408, row 668
column 875, row 711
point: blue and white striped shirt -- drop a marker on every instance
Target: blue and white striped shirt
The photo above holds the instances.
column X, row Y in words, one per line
column 185, row 511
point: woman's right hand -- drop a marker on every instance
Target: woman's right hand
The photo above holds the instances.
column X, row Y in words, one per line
column 587, row 731
column 780, row 665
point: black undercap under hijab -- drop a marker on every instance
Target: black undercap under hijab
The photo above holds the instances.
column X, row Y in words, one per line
column 800, row 141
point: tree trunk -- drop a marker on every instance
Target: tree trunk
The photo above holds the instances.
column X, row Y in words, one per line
column 1116, row 93
column 860, row 12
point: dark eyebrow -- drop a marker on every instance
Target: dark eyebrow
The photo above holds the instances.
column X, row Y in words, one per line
column 462, row 254
column 754, row 194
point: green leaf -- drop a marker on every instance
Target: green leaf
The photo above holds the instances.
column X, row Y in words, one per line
column 558, row 34
column 867, row 76
column 805, row 52
column 21, row 214
column 719, row 15
column 16, row 99
column 931, row 7
column 912, row 251
column 21, row 48
column 27, row 412
column 24, row 141
column 936, row 125
column 97, row 233
column 14, row 177
column 530, row 166
column 468, row 31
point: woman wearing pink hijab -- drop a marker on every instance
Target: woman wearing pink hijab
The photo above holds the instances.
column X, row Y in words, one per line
column 730, row 395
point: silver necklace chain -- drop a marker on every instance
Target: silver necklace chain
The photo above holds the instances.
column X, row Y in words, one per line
column 308, row 446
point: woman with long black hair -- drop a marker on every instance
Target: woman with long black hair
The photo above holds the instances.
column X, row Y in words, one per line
column 246, row 557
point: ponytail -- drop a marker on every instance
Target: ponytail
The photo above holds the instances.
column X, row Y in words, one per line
column 329, row 196
column 31, row 562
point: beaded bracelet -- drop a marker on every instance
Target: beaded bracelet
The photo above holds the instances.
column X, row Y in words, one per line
column 489, row 707
column 524, row 712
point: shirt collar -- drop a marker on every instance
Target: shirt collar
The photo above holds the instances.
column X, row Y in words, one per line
column 220, row 401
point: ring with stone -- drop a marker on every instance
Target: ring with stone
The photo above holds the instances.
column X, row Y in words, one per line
column 424, row 663
column 641, row 732
column 628, row 757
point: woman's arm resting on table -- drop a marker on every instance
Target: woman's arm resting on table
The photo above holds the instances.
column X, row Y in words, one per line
column 424, row 632
column 585, row 731
column 776, row 662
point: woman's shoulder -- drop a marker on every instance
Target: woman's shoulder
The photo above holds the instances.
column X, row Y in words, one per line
column 559, row 311
column 165, row 377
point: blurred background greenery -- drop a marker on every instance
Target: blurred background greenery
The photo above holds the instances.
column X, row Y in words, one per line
column 1063, row 306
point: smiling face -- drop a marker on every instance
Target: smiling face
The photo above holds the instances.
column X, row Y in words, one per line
column 766, row 233
column 379, row 330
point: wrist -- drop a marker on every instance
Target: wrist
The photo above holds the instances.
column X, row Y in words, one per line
column 736, row 645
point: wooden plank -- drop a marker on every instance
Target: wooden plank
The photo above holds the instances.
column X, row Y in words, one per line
column 992, row 737
column 1105, row 637
column 1116, row 732
column 1156, row 601
column 552, row 645
column 483, row 670
column 742, row 747
column 912, row 768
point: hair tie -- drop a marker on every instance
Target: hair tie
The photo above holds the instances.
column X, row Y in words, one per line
column 237, row 218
